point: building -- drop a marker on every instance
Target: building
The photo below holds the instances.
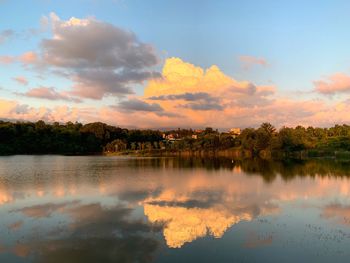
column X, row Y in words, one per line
column 235, row 131
column 171, row 137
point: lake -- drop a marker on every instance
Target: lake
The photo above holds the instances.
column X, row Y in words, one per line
column 121, row 209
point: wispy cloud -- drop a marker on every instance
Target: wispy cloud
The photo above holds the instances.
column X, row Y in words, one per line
column 21, row 80
column 7, row 59
column 336, row 83
column 49, row 93
column 6, row 35
column 249, row 61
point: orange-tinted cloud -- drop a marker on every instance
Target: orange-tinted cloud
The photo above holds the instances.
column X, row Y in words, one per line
column 179, row 77
column 336, row 83
column 14, row 110
column 7, row 59
column 249, row 61
column 21, row 80
column 49, row 93
column 28, row 57
column 203, row 96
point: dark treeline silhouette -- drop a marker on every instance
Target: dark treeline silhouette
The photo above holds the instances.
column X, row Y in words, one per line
column 69, row 138
column 76, row 138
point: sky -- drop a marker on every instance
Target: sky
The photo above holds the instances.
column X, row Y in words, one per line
column 169, row 64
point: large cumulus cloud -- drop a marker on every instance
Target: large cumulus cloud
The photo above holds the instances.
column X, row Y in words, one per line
column 89, row 43
column 101, row 59
column 204, row 96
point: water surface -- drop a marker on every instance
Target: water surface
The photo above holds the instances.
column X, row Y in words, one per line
column 116, row 209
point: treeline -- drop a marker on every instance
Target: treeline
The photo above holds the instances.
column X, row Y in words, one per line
column 69, row 138
column 311, row 141
column 267, row 140
column 76, row 138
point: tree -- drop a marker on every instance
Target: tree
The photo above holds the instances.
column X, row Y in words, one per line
column 268, row 128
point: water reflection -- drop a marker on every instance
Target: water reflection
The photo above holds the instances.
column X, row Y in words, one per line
column 101, row 209
column 92, row 233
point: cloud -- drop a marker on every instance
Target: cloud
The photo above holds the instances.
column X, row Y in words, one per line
column 198, row 93
column 139, row 105
column 5, row 35
column 94, row 84
column 14, row 110
column 28, row 57
column 185, row 96
column 202, row 105
column 249, row 61
column 7, row 59
column 89, row 43
column 36, row 31
column 266, row 90
column 48, row 93
column 179, row 77
column 21, row 80
column 208, row 97
column 336, row 83
column 198, row 100
column 100, row 58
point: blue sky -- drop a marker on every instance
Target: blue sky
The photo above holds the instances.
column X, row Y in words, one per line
column 301, row 41
column 288, row 33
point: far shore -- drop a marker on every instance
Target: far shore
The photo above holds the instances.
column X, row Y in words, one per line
column 235, row 154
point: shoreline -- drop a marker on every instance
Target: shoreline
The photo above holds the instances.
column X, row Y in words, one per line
column 236, row 154
column 233, row 153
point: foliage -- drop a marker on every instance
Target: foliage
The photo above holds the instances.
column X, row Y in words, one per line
column 76, row 138
column 69, row 138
